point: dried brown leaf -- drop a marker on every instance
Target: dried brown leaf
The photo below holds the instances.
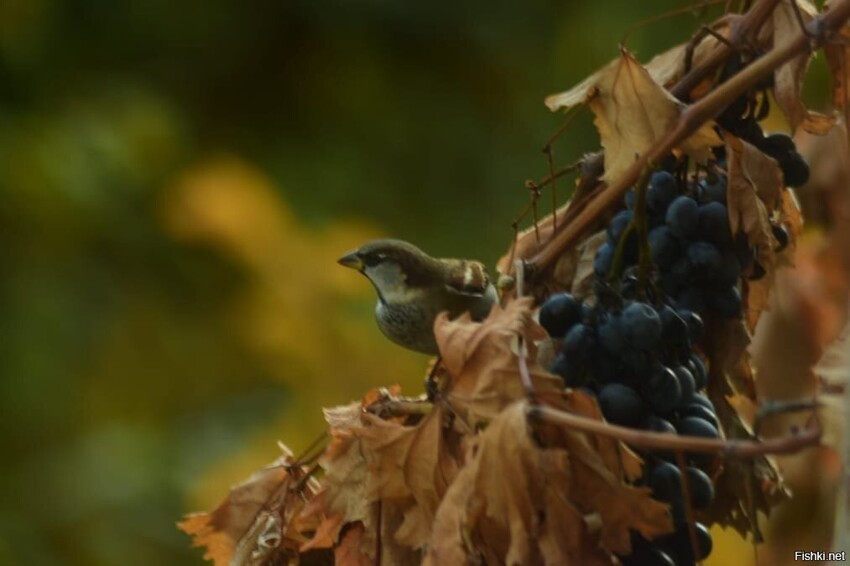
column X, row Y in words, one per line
column 258, row 518
column 754, row 189
column 327, row 532
column 818, row 124
column 377, row 469
column 744, row 488
column 348, row 552
column 597, row 485
column 481, row 359
column 518, row 503
column 788, row 79
column 581, row 283
column 791, row 216
column 616, row 456
column 728, row 357
column 632, row 112
column 412, row 465
column 667, row 68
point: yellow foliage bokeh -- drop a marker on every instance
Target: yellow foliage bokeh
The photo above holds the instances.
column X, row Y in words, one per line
column 304, row 316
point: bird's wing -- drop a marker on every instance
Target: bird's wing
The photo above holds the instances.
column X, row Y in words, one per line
column 466, row 277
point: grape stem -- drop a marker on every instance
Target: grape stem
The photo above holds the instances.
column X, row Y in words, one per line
column 693, row 117
column 312, row 452
column 617, row 262
column 686, row 499
column 789, row 444
column 639, row 222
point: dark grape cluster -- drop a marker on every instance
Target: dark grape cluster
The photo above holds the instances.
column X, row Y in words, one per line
column 637, row 358
column 669, row 260
column 634, row 349
column 699, row 262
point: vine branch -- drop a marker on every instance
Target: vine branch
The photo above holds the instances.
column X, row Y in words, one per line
column 821, row 28
column 668, row 442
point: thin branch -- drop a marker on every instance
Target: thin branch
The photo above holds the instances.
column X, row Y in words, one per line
column 667, row 15
column 307, row 454
column 400, row 407
column 670, row 442
column 747, row 27
column 686, row 500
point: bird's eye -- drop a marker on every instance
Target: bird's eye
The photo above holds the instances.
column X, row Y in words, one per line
column 371, row 260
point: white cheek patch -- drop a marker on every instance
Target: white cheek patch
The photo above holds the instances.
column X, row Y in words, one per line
column 389, row 280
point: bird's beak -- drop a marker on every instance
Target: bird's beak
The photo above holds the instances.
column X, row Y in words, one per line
column 351, row 260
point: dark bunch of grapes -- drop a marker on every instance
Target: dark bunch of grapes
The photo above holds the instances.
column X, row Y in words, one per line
column 638, row 359
column 634, row 349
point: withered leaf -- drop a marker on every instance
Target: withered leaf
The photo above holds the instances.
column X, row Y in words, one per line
column 348, row 552
column 788, row 78
column 581, row 283
column 791, row 216
column 409, row 464
column 728, row 357
column 258, row 518
column 668, row 67
column 632, row 112
column 596, row 477
column 743, row 488
column 482, row 360
column 518, row 503
column 618, row 458
column 754, row 186
column 342, row 500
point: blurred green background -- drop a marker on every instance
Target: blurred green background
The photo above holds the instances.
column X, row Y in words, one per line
column 177, row 180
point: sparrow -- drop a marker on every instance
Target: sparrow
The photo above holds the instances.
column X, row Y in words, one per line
column 413, row 288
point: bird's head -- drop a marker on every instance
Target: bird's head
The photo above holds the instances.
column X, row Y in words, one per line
column 398, row 270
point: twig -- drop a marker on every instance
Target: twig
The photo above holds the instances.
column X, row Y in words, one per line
column 667, row 15
column 305, row 456
column 554, row 190
column 686, row 500
column 308, row 473
column 400, row 407
column 746, row 27
column 700, row 35
column 535, row 195
column 669, row 442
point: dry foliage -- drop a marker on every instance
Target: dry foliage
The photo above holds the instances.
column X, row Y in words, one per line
column 476, row 476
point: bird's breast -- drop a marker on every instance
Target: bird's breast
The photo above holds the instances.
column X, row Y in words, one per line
column 408, row 325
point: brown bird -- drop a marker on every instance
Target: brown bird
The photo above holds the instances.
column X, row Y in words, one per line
column 414, row 287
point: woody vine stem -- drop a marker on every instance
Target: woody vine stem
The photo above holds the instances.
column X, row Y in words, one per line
column 580, row 216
